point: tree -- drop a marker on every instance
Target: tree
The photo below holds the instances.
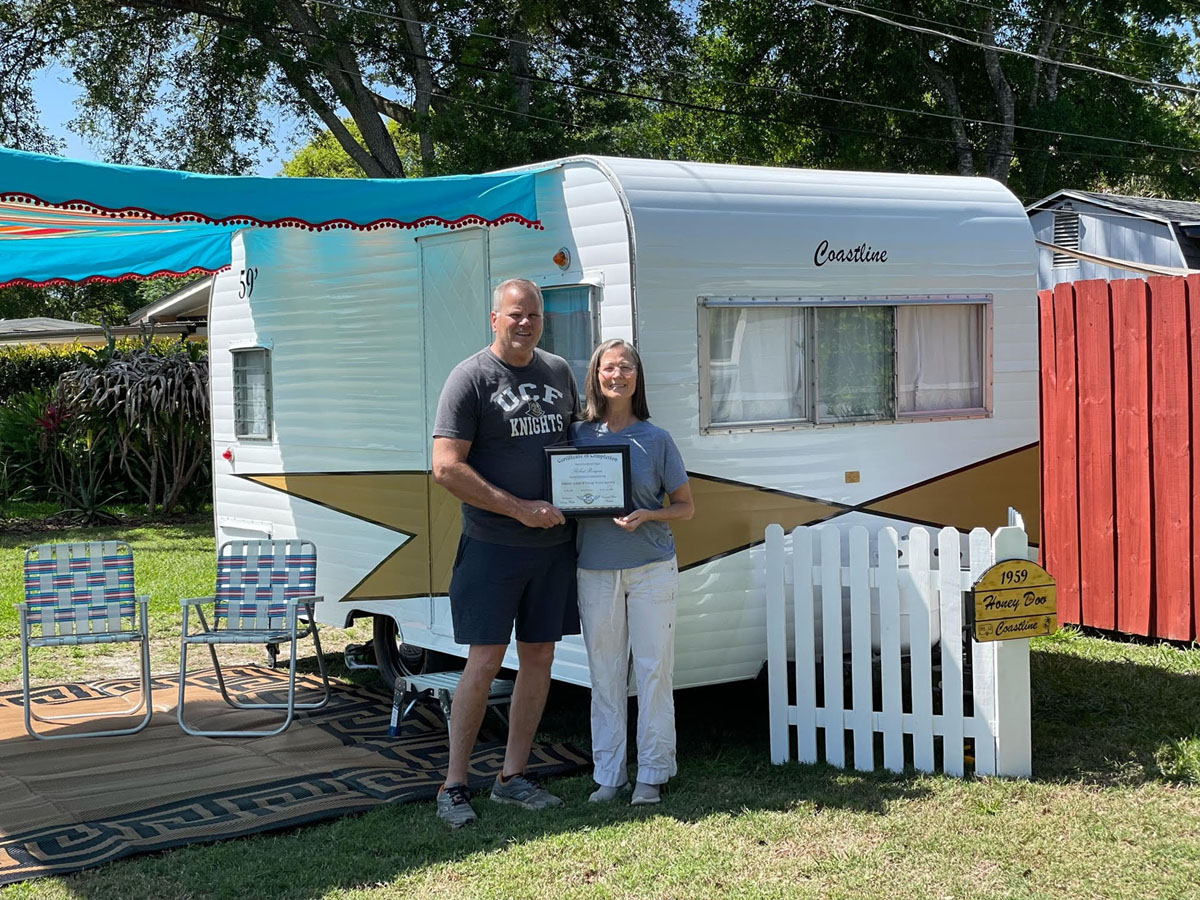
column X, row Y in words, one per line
column 191, row 83
column 324, row 157
column 91, row 303
column 21, row 56
column 809, row 85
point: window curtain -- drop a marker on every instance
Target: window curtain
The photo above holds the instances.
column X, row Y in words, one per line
column 756, row 364
column 251, row 417
column 567, row 330
column 940, row 357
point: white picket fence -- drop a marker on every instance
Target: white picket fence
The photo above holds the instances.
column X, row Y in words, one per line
column 893, row 685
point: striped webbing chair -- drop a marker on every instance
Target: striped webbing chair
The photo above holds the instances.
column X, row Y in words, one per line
column 77, row 594
column 261, row 588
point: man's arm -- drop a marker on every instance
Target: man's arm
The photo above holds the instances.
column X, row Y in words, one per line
column 452, row 471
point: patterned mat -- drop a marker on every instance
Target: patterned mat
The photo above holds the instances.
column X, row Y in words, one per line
column 71, row 805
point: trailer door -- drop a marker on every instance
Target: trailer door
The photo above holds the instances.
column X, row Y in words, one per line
column 455, row 303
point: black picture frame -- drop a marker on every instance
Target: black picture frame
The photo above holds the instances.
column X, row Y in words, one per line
column 559, row 459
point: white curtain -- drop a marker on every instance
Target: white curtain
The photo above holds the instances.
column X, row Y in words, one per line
column 939, row 357
column 568, row 328
column 756, row 364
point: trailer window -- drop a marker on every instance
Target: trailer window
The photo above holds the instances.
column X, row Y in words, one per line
column 252, row 393
column 570, row 326
column 780, row 362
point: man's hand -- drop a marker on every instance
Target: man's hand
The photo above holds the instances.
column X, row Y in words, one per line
column 539, row 514
column 633, row 520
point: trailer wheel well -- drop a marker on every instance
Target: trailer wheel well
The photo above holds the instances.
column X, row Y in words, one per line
column 396, row 658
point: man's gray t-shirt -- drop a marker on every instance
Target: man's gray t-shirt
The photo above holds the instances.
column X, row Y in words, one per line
column 656, row 468
column 509, row 414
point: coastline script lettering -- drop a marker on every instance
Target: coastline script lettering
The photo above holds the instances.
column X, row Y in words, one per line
column 1003, row 627
column 863, row 253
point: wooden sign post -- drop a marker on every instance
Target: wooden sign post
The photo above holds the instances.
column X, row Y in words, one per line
column 1015, row 598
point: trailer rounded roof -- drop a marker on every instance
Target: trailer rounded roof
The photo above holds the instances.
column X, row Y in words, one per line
column 666, row 184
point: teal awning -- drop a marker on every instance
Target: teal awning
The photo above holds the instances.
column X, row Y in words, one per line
column 64, row 220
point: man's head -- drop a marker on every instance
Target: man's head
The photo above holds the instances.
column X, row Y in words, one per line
column 516, row 320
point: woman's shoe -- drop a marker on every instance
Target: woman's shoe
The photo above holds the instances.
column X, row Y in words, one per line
column 644, row 794
column 605, row 794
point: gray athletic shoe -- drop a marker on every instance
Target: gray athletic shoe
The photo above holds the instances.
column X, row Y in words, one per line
column 454, row 805
column 644, row 794
column 522, row 791
column 606, row 794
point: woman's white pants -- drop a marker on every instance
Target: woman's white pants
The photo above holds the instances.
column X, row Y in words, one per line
column 624, row 610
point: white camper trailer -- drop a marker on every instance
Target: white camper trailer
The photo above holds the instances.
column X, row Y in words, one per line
column 823, row 346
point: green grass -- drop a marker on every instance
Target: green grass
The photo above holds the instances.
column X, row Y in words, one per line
column 1113, row 810
column 171, row 562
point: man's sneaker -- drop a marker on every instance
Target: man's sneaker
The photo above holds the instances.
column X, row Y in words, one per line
column 523, row 791
column 454, row 805
column 644, row 794
column 606, row 794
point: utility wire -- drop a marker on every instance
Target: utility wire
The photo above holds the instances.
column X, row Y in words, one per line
column 1078, row 28
column 968, row 28
column 1158, row 85
column 789, row 92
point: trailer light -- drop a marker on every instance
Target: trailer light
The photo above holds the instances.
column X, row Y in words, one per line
column 562, row 258
column 227, row 455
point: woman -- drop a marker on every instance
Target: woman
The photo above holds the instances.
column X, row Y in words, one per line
column 628, row 579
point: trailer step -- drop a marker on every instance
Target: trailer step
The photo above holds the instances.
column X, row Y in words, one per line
column 442, row 686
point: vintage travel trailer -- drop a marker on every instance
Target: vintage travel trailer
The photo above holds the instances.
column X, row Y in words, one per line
column 823, row 346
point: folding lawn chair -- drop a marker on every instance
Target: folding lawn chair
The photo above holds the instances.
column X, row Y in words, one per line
column 261, row 587
column 77, row 594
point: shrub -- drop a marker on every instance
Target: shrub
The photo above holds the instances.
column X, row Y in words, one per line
column 146, row 409
column 31, row 368
column 20, row 443
column 25, row 369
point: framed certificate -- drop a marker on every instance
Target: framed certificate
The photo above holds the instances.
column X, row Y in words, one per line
column 589, row 481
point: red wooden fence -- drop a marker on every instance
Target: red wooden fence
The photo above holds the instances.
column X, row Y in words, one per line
column 1121, row 453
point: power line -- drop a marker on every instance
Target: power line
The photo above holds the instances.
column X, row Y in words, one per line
column 1078, row 28
column 770, row 88
column 968, row 28
column 1158, row 85
column 717, row 110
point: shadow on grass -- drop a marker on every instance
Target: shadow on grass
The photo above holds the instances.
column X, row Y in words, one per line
column 1111, row 721
column 1096, row 720
column 724, row 772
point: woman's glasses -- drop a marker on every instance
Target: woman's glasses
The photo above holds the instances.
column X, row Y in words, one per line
column 624, row 369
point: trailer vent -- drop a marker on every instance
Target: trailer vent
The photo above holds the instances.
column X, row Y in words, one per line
column 1066, row 235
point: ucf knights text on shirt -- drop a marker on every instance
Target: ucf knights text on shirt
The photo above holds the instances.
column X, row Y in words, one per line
column 509, row 414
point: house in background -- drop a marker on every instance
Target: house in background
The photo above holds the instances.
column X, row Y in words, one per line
column 1083, row 235
column 186, row 308
column 46, row 332
column 183, row 313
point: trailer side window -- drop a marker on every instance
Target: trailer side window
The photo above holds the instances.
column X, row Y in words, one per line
column 570, row 328
column 780, row 362
column 252, row 393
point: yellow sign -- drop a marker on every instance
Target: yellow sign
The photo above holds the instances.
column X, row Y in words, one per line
column 1008, row 629
column 1015, row 599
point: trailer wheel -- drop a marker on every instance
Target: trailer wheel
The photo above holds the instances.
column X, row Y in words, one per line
column 396, row 658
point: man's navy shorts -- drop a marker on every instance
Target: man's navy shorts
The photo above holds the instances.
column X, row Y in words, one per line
column 495, row 586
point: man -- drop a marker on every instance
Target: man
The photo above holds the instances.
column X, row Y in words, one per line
column 516, row 559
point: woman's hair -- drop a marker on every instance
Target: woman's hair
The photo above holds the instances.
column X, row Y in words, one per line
column 597, row 404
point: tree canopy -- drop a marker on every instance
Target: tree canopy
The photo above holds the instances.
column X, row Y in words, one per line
column 1038, row 94
column 480, row 83
column 1024, row 92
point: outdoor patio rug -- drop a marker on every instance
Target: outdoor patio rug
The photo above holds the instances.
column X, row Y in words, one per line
column 71, row 805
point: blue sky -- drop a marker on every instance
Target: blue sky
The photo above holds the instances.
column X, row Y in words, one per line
column 56, row 96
